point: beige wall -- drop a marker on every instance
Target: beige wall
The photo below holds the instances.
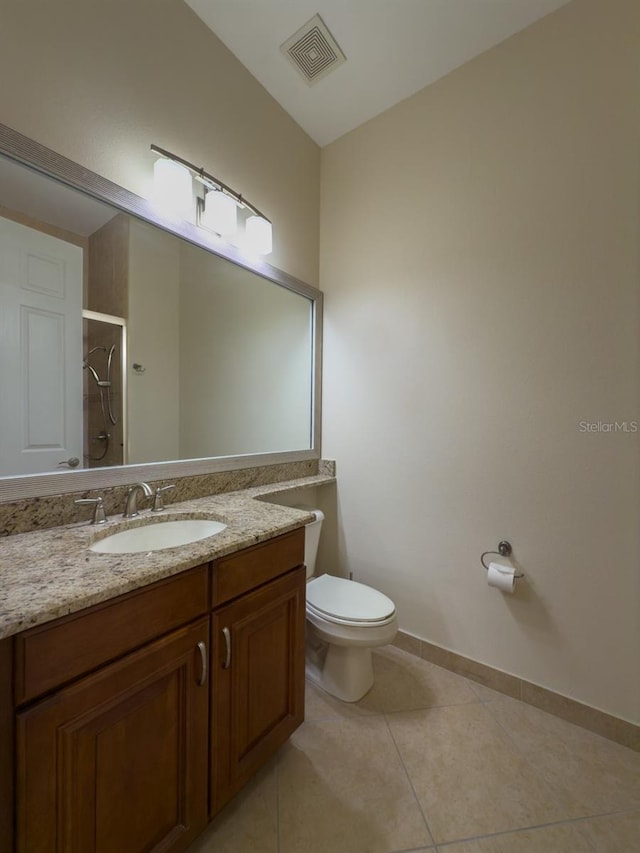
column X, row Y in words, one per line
column 100, row 81
column 480, row 264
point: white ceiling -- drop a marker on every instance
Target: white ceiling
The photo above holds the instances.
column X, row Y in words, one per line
column 393, row 48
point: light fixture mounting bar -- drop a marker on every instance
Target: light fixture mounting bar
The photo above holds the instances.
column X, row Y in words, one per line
column 210, row 180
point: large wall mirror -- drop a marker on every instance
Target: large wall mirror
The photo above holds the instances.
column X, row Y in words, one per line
column 135, row 347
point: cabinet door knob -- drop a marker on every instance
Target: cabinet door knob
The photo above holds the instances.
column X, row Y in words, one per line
column 202, row 648
column 227, row 638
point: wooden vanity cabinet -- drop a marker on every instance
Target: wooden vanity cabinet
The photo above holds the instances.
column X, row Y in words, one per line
column 257, row 678
column 137, row 719
column 111, row 729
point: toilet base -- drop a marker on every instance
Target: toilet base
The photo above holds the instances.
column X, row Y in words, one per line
column 345, row 672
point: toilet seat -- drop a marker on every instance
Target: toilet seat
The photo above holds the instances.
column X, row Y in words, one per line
column 346, row 602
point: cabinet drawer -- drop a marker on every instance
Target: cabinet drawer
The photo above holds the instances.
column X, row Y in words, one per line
column 250, row 568
column 55, row 653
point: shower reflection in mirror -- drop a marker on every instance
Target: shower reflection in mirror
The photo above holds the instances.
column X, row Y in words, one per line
column 103, row 389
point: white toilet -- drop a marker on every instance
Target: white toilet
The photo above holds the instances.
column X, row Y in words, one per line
column 345, row 621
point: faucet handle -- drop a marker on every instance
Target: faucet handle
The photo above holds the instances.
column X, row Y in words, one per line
column 158, row 503
column 99, row 515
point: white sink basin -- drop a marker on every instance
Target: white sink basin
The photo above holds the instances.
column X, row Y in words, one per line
column 157, row 536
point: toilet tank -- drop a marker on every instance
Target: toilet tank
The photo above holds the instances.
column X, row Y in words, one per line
column 311, row 539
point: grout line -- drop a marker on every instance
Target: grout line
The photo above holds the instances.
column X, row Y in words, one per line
column 514, row 742
column 430, row 708
column 473, row 684
column 413, row 790
column 585, row 835
column 532, row 827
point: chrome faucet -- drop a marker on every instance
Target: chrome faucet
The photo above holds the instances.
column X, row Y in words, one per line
column 131, row 506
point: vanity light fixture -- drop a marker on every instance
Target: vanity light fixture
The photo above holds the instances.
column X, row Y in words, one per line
column 219, row 213
column 258, row 233
column 172, row 189
column 217, row 209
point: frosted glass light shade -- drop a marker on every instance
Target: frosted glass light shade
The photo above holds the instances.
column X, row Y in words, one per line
column 172, row 189
column 220, row 213
column 259, row 235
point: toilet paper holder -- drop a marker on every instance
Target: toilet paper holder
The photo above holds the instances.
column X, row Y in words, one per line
column 504, row 550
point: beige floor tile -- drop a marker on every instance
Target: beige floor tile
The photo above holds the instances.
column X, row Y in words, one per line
column 320, row 705
column 549, row 839
column 248, row 824
column 342, row 789
column 618, row 833
column 602, row 776
column 404, row 682
column 468, row 776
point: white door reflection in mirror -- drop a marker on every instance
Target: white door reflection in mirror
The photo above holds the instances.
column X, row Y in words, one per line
column 40, row 350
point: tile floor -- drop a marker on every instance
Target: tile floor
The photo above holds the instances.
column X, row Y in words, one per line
column 431, row 761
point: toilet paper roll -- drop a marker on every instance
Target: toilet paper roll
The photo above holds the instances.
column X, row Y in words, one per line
column 502, row 577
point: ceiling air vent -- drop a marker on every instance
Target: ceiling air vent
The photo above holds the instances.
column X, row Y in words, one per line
column 313, row 50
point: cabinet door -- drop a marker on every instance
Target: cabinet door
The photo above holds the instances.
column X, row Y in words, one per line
column 257, row 680
column 118, row 761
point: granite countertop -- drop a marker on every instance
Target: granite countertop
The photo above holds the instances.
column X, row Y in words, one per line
column 50, row 573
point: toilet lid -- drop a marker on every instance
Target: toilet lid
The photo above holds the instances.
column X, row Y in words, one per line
column 347, row 600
